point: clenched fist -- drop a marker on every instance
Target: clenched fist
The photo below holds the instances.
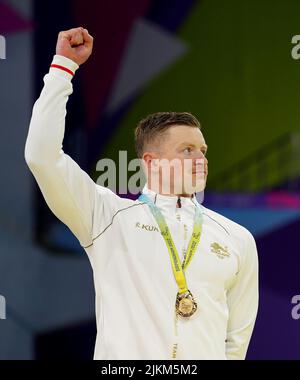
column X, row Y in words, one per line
column 75, row 44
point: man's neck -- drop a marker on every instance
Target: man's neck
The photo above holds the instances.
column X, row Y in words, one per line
column 181, row 195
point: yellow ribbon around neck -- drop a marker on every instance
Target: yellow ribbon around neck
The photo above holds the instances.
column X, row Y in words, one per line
column 177, row 267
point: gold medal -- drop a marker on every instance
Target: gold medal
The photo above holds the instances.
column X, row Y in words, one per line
column 185, row 304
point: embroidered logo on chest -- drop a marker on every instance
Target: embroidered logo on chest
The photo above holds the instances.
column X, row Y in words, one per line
column 146, row 227
column 220, row 251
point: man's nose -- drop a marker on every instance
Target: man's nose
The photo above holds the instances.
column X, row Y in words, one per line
column 201, row 157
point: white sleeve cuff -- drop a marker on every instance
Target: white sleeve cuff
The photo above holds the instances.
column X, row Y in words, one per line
column 64, row 66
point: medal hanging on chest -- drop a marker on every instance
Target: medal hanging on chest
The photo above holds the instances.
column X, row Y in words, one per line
column 185, row 305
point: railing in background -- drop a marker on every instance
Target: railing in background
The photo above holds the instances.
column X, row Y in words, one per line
column 275, row 165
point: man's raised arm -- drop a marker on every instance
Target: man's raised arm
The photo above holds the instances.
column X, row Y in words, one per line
column 69, row 191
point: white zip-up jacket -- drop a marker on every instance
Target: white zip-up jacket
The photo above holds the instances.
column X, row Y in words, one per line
column 134, row 283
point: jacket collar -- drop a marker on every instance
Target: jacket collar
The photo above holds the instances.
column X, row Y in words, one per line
column 169, row 200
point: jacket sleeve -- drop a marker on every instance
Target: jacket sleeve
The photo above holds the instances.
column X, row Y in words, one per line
column 242, row 299
column 69, row 192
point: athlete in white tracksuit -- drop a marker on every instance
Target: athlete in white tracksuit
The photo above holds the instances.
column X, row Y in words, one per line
column 134, row 282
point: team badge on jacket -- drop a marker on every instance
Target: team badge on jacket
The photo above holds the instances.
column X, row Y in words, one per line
column 220, row 251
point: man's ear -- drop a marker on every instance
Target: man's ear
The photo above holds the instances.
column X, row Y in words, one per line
column 151, row 161
column 148, row 157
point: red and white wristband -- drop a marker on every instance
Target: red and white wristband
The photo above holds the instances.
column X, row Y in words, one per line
column 55, row 66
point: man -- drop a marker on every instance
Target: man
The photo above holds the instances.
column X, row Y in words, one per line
column 173, row 279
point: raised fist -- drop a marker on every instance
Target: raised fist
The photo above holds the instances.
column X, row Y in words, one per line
column 75, row 44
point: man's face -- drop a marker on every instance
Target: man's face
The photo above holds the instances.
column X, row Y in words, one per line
column 182, row 149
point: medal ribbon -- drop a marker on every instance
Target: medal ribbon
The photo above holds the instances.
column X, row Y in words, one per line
column 178, row 268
